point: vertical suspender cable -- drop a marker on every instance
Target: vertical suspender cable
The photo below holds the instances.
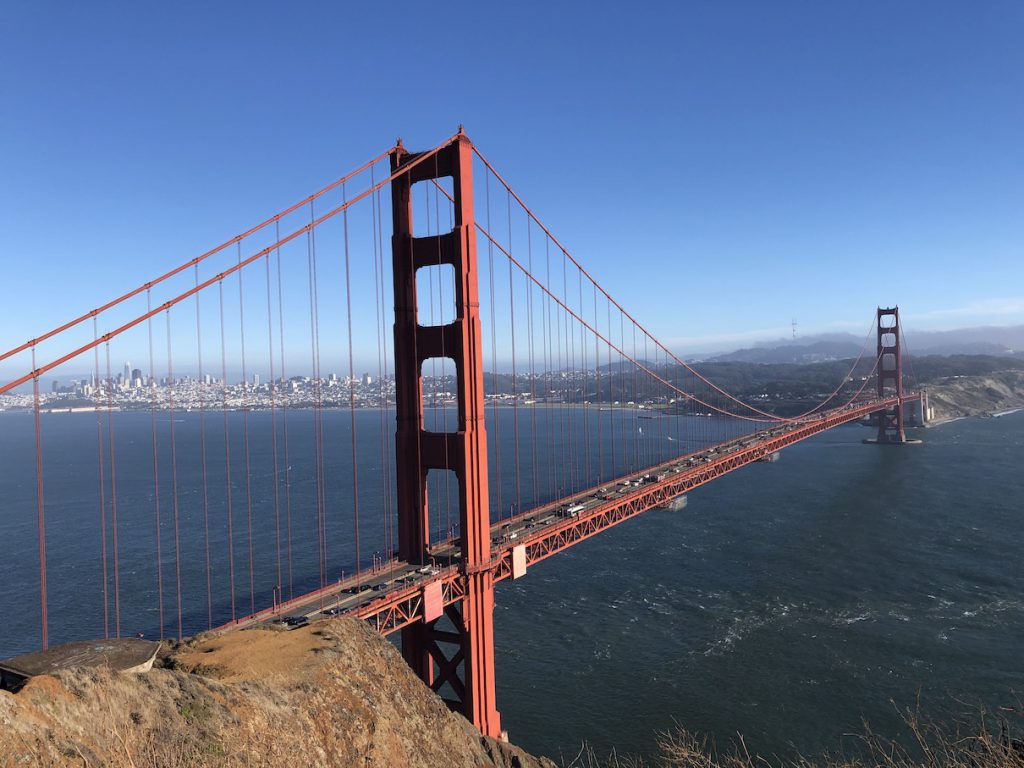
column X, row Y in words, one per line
column 512, row 328
column 494, row 352
column 174, row 473
column 314, row 330
column 284, row 418
column 316, row 421
column 570, row 382
column 597, row 396
column 682, row 416
column 378, row 291
column 535, row 467
column 660, row 397
column 549, row 366
column 352, row 379
column 273, row 434
column 202, row 453
column 388, row 454
column 40, row 511
column 637, row 459
column 153, row 395
column 113, row 500
column 562, row 438
column 227, row 452
column 611, row 390
column 586, row 399
column 245, row 434
column 102, row 486
column 566, row 372
column 645, row 396
column 623, row 432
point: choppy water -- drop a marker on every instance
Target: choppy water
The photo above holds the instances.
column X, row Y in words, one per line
column 787, row 601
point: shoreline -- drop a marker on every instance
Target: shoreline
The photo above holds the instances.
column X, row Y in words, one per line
column 651, row 412
column 997, row 414
column 983, row 415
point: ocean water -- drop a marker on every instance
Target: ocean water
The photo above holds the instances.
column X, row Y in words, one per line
column 257, row 513
column 786, row 601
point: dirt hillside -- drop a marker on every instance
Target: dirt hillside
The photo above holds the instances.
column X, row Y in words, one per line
column 328, row 694
column 976, row 395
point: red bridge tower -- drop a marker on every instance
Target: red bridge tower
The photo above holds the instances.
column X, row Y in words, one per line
column 470, row 640
column 890, row 376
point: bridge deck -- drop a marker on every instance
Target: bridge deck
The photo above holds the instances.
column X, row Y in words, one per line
column 394, row 596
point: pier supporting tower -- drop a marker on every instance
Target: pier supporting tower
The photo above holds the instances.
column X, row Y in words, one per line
column 465, row 644
column 890, row 376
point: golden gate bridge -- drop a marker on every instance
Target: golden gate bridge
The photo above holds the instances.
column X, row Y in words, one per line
column 445, row 477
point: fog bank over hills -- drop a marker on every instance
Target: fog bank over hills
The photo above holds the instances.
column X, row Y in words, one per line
column 985, row 340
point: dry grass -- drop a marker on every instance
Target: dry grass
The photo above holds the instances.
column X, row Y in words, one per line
column 336, row 694
column 982, row 740
column 331, row 694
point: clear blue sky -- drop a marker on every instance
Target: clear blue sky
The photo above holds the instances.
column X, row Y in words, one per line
column 723, row 167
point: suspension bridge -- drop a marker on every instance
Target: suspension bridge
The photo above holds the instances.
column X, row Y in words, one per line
column 495, row 406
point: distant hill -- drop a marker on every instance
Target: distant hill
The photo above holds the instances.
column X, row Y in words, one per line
column 800, row 354
column 1001, row 341
column 787, row 388
column 991, row 340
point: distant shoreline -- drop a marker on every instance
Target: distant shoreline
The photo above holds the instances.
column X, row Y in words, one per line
column 986, row 415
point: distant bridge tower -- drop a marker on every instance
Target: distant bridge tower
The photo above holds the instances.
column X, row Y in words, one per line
column 890, row 376
column 470, row 639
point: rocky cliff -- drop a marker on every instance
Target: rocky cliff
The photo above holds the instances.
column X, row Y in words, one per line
column 328, row 694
